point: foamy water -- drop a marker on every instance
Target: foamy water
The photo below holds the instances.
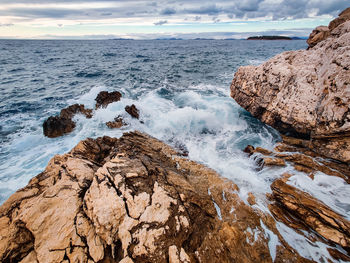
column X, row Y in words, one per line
column 183, row 99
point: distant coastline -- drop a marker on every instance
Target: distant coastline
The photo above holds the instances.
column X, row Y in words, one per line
column 269, row 38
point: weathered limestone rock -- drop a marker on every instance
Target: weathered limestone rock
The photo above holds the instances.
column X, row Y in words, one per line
column 104, row 98
column 320, row 33
column 56, row 126
column 305, row 94
column 298, row 205
column 343, row 17
column 296, row 152
column 133, row 199
column 133, row 111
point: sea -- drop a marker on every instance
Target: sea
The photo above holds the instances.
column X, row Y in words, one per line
column 182, row 89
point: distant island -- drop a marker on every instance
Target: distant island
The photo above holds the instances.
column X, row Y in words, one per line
column 269, row 38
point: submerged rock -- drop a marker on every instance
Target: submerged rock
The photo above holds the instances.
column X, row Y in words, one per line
column 134, row 199
column 56, row 126
column 133, row 111
column 305, row 94
column 104, row 98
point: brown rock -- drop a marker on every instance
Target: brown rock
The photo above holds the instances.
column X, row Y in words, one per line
column 302, row 209
column 274, row 161
column 117, row 123
column 133, row 111
column 104, row 98
column 317, row 35
column 56, row 126
column 132, row 199
column 249, row 149
column 321, row 33
column 304, row 93
column 343, row 17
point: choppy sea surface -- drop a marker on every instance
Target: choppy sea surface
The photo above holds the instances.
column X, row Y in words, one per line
column 182, row 91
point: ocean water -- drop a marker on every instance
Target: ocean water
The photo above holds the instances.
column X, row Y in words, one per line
column 182, row 91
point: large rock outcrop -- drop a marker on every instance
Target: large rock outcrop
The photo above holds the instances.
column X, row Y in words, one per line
column 134, row 199
column 304, row 93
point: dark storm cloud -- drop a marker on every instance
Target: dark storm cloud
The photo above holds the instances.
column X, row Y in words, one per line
column 163, row 9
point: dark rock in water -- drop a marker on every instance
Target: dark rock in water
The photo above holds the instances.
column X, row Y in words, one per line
column 69, row 112
column 269, row 38
column 249, row 149
column 104, row 98
column 56, row 126
column 117, row 123
column 133, row 111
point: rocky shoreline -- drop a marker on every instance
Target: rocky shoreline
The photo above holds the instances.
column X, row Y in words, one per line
column 136, row 199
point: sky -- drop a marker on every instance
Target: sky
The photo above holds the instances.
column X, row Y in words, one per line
column 141, row 19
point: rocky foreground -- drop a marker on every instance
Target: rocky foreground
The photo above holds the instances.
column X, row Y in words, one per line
column 306, row 93
column 135, row 199
column 132, row 199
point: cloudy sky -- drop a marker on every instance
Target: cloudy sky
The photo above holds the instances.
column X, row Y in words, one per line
column 141, row 19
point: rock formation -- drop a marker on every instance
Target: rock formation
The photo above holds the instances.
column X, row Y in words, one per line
column 56, row 126
column 104, row 98
column 116, row 123
column 320, row 33
column 296, row 208
column 317, row 35
column 133, row 111
column 305, row 94
column 134, row 199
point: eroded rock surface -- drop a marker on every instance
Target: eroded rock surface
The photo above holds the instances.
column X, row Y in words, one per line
column 304, row 93
column 320, row 33
column 104, row 98
column 134, row 199
column 303, row 209
column 296, row 208
column 56, row 126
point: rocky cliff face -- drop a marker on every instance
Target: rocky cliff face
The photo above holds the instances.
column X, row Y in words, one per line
column 320, row 33
column 304, row 93
column 133, row 199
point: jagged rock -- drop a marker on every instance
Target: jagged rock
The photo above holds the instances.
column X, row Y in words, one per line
column 343, row 17
column 320, row 33
column 117, row 123
column 317, row 35
column 56, row 126
column 295, row 152
column 304, row 94
column 133, row 111
column 295, row 208
column 104, row 98
column 133, row 199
